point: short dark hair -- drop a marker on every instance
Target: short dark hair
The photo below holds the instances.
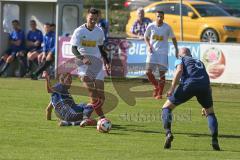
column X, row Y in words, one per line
column 47, row 24
column 52, row 25
column 15, row 21
column 33, row 21
column 160, row 12
column 93, row 10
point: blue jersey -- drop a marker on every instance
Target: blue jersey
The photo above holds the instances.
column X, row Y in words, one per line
column 61, row 93
column 64, row 104
column 34, row 36
column 49, row 42
column 103, row 24
column 194, row 71
column 15, row 36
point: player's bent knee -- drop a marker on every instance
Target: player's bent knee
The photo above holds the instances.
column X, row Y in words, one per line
column 169, row 104
column 209, row 111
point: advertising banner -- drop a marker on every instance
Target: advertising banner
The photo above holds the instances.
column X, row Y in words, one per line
column 222, row 62
column 128, row 59
column 137, row 54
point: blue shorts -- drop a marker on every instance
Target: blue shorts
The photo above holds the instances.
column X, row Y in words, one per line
column 185, row 92
column 83, row 108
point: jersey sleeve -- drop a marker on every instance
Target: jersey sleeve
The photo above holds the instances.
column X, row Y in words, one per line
column 40, row 36
column 21, row 36
column 75, row 40
column 28, row 36
column 178, row 62
column 58, row 88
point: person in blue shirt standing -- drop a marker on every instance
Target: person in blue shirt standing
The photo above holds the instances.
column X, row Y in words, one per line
column 34, row 41
column 104, row 25
column 48, row 52
column 15, row 50
column 194, row 82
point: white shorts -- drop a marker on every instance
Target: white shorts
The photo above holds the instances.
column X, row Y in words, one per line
column 93, row 71
column 157, row 60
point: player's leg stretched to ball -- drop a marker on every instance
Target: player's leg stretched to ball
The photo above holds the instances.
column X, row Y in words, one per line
column 97, row 98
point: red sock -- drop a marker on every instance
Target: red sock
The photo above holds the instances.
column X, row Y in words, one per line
column 161, row 85
column 98, row 108
column 152, row 79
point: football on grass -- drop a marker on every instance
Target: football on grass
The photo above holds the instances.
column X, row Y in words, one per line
column 104, row 125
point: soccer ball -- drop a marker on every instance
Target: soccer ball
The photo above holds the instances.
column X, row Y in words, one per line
column 104, row 125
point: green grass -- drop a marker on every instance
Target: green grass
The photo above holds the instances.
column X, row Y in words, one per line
column 26, row 135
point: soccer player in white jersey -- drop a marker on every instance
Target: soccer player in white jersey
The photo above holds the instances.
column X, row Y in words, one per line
column 87, row 46
column 156, row 38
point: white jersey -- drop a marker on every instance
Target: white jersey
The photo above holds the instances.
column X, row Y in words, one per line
column 159, row 37
column 87, row 40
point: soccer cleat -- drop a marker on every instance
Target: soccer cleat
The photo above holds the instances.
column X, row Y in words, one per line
column 155, row 91
column 215, row 145
column 158, row 97
column 88, row 122
column 168, row 141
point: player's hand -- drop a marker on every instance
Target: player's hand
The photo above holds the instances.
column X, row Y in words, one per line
column 86, row 61
column 170, row 92
column 45, row 75
column 108, row 69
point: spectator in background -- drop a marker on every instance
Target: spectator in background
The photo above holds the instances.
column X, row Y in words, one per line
column 104, row 25
column 47, row 56
column 34, row 41
column 139, row 27
column 15, row 50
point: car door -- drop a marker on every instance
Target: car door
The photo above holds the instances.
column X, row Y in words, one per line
column 191, row 25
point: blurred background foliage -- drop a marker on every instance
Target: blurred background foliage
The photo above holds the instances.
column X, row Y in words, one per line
column 117, row 14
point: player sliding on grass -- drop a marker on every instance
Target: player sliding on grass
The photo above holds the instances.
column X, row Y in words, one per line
column 65, row 108
column 194, row 82
column 87, row 46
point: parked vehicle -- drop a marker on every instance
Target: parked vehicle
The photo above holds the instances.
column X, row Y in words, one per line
column 135, row 4
column 202, row 21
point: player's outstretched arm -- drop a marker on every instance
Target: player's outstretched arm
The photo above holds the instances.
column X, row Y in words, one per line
column 47, row 82
column 174, row 40
column 49, row 111
column 104, row 54
column 176, row 79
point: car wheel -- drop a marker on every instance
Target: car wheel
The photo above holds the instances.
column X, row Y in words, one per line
column 209, row 35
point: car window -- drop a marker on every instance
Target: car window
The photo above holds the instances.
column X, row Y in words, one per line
column 185, row 9
column 208, row 10
column 169, row 8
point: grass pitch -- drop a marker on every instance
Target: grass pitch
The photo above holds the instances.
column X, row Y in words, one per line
column 137, row 130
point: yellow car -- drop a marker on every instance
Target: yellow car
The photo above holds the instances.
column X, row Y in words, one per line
column 202, row 21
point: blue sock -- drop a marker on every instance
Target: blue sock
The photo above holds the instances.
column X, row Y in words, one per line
column 213, row 125
column 167, row 119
